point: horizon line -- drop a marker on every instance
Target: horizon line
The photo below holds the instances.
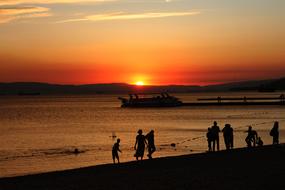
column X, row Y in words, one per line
column 145, row 85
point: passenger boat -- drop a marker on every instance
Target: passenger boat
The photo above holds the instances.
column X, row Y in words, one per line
column 150, row 100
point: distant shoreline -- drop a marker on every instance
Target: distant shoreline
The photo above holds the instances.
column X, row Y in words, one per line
column 37, row 88
column 242, row 168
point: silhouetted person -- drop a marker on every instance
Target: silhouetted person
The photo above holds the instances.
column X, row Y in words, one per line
column 209, row 139
column 115, row 150
column 251, row 137
column 228, row 133
column 150, row 141
column 215, row 132
column 259, row 142
column 140, row 145
column 275, row 132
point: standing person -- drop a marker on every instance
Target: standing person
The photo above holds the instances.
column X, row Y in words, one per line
column 251, row 137
column 139, row 145
column 115, row 150
column 228, row 136
column 150, row 142
column 215, row 132
column 231, row 136
column 275, row 132
column 209, row 139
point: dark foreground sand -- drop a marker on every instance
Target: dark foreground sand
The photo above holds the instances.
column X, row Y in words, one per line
column 242, row 169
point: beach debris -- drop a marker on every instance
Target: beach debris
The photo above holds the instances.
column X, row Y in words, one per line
column 76, row 151
column 173, row 144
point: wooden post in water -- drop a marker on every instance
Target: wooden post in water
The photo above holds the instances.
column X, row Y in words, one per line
column 282, row 99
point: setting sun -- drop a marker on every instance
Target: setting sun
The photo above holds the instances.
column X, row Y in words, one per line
column 139, row 83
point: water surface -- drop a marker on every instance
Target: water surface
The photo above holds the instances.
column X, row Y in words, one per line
column 39, row 133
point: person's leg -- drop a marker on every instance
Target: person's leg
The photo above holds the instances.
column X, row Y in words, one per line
column 113, row 156
column 218, row 144
column 209, row 146
column 248, row 141
column 275, row 140
column 153, row 150
column 118, row 159
column 225, row 141
column 149, row 151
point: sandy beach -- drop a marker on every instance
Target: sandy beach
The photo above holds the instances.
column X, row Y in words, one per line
column 255, row 168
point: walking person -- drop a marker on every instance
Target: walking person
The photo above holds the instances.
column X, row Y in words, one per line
column 115, row 150
column 215, row 132
column 140, row 145
column 275, row 133
column 150, row 143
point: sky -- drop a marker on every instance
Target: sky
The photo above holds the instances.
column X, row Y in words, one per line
column 158, row 42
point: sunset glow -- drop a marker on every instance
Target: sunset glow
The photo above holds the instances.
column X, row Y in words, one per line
column 167, row 42
column 140, row 83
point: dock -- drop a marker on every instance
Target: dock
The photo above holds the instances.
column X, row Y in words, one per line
column 239, row 101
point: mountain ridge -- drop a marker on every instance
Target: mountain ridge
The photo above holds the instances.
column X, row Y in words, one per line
column 36, row 88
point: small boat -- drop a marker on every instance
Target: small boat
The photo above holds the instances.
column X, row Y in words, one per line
column 150, row 100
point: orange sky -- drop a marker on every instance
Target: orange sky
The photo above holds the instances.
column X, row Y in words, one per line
column 158, row 42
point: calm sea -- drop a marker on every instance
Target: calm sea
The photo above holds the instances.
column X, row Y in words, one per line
column 39, row 133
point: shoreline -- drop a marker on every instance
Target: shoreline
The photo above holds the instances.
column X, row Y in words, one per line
column 241, row 168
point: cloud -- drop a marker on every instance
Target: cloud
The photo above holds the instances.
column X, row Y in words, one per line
column 21, row 10
column 125, row 16
column 17, row 2
column 11, row 10
column 9, row 14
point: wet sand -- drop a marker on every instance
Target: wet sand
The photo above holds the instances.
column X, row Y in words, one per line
column 241, row 169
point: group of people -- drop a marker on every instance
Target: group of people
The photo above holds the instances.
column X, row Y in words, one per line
column 141, row 142
column 214, row 139
column 252, row 139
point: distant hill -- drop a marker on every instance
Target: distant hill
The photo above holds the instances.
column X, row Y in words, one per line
column 33, row 88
